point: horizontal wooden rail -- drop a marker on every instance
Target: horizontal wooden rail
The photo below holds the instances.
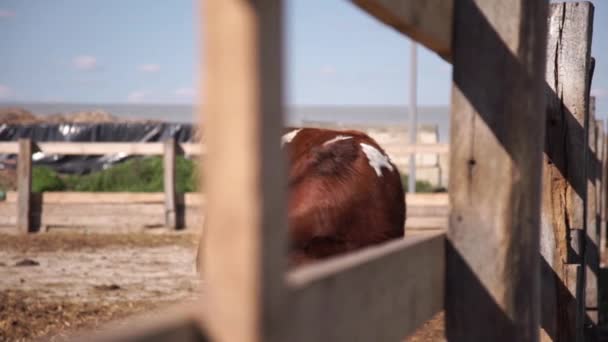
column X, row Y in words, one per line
column 396, row 286
column 423, row 149
column 179, row 322
column 427, row 199
column 100, row 148
column 68, row 197
column 138, row 209
column 65, row 197
column 10, row 147
column 156, row 148
column 428, row 22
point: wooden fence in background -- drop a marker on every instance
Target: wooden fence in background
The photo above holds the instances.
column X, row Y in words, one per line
column 35, row 212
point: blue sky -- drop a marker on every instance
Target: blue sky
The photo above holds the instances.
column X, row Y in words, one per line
column 145, row 51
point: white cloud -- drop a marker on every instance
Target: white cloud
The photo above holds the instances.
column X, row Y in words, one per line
column 5, row 92
column 148, row 68
column 85, row 62
column 185, row 92
column 137, row 96
column 6, row 13
column 328, row 70
column 599, row 92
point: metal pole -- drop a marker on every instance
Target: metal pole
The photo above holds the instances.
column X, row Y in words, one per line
column 413, row 117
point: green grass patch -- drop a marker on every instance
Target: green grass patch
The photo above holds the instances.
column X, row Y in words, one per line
column 421, row 185
column 140, row 175
column 45, row 179
column 134, row 175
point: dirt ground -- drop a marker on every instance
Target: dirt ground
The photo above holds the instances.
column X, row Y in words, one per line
column 57, row 282
column 52, row 284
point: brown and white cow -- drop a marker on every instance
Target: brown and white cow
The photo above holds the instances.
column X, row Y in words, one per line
column 344, row 193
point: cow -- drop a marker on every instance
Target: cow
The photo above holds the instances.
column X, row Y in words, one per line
column 344, row 194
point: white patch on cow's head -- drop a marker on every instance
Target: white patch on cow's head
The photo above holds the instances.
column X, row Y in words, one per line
column 377, row 160
column 337, row 138
column 288, row 137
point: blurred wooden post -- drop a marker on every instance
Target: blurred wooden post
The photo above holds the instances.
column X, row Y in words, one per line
column 599, row 187
column 591, row 243
column 24, row 186
column 492, row 279
column 602, row 295
column 603, row 192
column 169, row 151
column 564, row 177
column 601, row 155
column 246, row 233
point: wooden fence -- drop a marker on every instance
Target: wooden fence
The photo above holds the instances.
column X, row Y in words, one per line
column 518, row 254
column 40, row 212
column 29, row 220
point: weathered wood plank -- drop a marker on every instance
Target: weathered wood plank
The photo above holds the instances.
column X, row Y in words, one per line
column 59, row 197
column 428, row 22
column 24, row 186
column 113, row 216
column 180, row 322
column 600, row 181
column 9, row 147
column 564, row 171
column 591, row 244
column 497, row 136
column 604, row 200
column 439, row 199
column 192, row 199
column 100, row 148
column 381, row 293
column 193, row 149
column 427, row 211
column 421, row 149
column 245, row 232
column 91, row 210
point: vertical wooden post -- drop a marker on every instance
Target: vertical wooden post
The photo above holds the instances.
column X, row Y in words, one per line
column 564, row 171
column 492, row 280
column 602, row 285
column 603, row 141
column 601, row 155
column 591, row 256
column 599, row 183
column 246, row 234
column 24, row 186
column 169, row 151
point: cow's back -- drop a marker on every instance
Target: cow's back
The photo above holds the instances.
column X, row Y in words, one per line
column 344, row 193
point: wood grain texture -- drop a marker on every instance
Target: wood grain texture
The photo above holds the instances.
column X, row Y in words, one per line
column 428, row 22
column 492, row 281
column 564, row 170
column 24, row 185
column 381, row 293
column 591, row 244
column 245, row 236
